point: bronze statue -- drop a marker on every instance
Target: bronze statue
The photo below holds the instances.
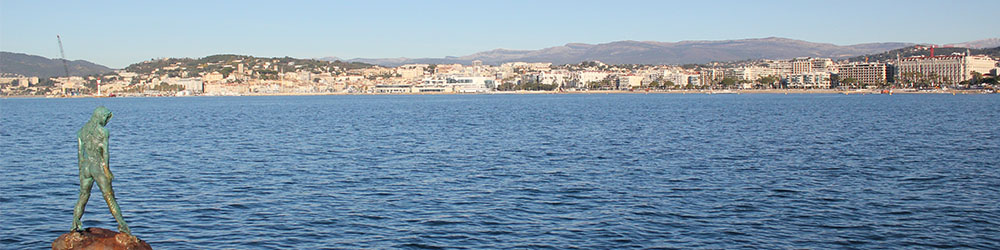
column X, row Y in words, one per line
column 92, row 156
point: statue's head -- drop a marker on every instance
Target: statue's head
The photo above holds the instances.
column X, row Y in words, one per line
column 101, row 115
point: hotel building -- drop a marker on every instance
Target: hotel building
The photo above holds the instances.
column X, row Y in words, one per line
column 949, row 69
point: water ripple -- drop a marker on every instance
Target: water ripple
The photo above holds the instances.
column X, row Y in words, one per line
column 518, row 172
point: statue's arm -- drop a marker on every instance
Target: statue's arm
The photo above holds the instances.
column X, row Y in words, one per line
column 79, row 150
column 107, row 156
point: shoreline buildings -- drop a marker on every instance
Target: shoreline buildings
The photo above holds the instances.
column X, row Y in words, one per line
column 241, row 75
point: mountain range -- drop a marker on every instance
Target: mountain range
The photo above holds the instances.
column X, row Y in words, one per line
column 32, row 65
column 620, row 52
column 978, row 44
column 651, row 52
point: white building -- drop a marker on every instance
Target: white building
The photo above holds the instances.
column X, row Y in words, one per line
column 22, row 81
column 554, row 77
column 630, row 81
column 527, row 66
column 590, row 76
column 780, row 67
column 213, row 77
column 949, row 69
column 798, row 65
column 750, row 73
column 193, row 84
column 461, row 84
column 411, row 71
column 711, row 76
column 472, row 83
column 393, row 89
column 809, row 80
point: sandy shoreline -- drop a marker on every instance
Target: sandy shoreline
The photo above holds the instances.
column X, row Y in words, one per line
column 520, row 92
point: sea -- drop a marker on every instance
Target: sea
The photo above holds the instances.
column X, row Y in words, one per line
column 533, row 171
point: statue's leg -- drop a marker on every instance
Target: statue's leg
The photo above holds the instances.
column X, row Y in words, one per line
column 86, row 182
column 109, row 196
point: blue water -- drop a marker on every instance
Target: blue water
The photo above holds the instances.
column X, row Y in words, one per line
column 517, row 171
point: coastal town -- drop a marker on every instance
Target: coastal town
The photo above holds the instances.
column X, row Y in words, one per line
column 227, row 75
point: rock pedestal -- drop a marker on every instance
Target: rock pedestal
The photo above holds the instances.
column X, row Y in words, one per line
column 99, row 239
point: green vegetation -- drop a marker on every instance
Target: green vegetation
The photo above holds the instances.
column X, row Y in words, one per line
column 266, row 74
column 654, row 84
column 46, row 82
column 768, row 81
column 693, row 66
column 669, row 84
column 382, row 76
column 728, row 82
column 917, row 80
column 168, row 87
column 509, row 86
column 226, row 71
column 979, row 79
column 849, row 82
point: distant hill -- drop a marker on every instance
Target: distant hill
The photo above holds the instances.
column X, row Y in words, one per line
column 978, row 44
column 923, row 51
column 31, row 65
column 647, row 52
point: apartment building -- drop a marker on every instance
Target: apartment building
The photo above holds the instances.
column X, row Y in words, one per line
column 865, row 73
column 807, row 64
column 590, row 76
column 809, row 80
column 411, row 71
column 750, row 73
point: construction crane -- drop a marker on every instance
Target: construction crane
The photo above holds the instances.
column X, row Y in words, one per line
column 65, row 66
column 63, row 54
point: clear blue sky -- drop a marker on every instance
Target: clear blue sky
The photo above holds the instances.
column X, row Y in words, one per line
column 119, row 33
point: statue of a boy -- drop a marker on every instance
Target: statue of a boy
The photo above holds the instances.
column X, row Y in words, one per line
column 92, row 157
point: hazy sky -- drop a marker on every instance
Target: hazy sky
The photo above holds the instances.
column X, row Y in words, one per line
column 119, row 33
